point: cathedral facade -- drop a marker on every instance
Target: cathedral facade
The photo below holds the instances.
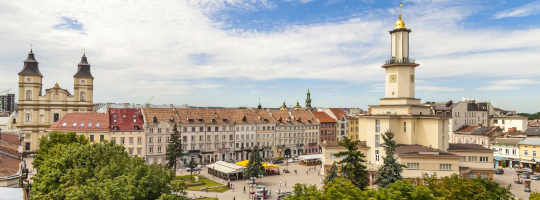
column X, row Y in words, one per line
column 37, row 111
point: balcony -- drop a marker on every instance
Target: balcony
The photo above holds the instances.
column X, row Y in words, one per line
column 395, row 60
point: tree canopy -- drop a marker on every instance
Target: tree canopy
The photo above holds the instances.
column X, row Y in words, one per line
column 353, row 164
column 390, row 171
column 435, row 189
column 70, row 168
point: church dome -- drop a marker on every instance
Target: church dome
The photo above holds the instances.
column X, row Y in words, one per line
column 399, row 23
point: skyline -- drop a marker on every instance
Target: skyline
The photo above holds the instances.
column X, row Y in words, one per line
column 231, row 53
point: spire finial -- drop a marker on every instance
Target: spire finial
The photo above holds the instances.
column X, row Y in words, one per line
column 31, row 48
column 400, row 23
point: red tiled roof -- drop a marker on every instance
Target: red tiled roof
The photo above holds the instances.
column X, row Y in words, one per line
column 126, row 119
column 323, row 117
column 338, row 112
column 89, row 121
column 9, row 165
column 161, row 114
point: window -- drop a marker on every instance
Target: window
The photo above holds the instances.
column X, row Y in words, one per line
column 377, row 140
column 101, row 138
column 27, row 117
column 139, row 151
column 159, row 130
column 472, row 158
column 413, row 165
column 28, row 95
column 483, row 159
column 216, row 129
column 377, row 155
column 56, row 117
column 526, row 152
column 27, row 146
column 534, row 153
column 130, row 140
column 185, row 129
column 83, row 96
column 130, row 150
column 159, row 139
column 150, row 140
column 446, row 166
column 91, row 138
column 377, row 126
column 507, row 151
column 150, row 149
column 122, row 140
column 404, row 127
column 513, row 151
column 139, row 140
column 209, row 129
column 192, row 129
column 159, row 149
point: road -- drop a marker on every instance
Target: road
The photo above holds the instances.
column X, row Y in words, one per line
column 517, row 189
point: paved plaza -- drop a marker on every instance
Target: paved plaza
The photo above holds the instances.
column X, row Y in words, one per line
column 283, row 182
column 508, row 178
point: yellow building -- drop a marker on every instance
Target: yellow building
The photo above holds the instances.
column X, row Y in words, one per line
column 37, row 111
column 352, row 126
column 529, row 149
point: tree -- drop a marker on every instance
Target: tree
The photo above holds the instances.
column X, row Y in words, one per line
column 459, row 188
column 174, row 149
column 353, row 163
column 55, row 138
column 332, row 173
column 255, row 167
column 390, row 171
column 78, row 170
column 192, row 165
column 534, row 196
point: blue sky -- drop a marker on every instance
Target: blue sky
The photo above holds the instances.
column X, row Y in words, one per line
column 233, row 52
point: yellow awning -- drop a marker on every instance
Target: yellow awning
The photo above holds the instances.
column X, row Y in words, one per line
column 265, row 165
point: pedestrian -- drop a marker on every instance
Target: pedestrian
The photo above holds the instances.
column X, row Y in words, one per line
column 244, row 189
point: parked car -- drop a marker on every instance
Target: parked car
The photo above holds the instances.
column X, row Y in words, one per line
column 535, row 177
column 528, row 170
column 194, row 169
column 527, row 189
column 525, row 175
column 278, row 161
column 499, row 171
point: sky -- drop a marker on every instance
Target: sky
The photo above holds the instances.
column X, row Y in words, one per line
column 236, row 52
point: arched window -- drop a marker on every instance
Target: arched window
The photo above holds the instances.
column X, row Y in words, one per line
column 28, row 95
column 27, row 117
column 83, row 96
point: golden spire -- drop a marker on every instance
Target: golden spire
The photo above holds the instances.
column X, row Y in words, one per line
column 400, row 23
column 56, row 85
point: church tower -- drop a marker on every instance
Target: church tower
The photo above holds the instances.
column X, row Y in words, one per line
column 308, row 100
column 83, row 82
column 399, row 84
column 30, row 80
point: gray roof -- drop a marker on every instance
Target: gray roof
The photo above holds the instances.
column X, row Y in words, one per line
column 533, row 131
column 530, row 141
column 83, row 69
column 511, row 141
column 30, row 66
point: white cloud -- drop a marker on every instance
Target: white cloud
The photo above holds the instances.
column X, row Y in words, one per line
column 438, row 88
column 142, row 46
column 509, row 84
column 531, row 8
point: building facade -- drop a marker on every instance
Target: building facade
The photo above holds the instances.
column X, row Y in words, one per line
column 506, row 152
column 328, row 128
column 126, row 129
column 509, row 123
column 38, row 111
column 480, row 135
column 470, row 113
column 7, row 103
column 529, row 149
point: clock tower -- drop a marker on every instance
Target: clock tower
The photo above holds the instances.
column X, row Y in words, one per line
column 399, row 81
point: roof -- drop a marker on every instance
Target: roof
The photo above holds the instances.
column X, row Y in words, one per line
column 478, row 130
column 126, row 119
column 87, row 121
column 512, row 141
column 226, row 167
column 9, row 155
column 323, row 117
column 530, row 141
column 535, row 123
column 338, row 112
column 159, row 114
column 83, row 70
column 533, row 131
column 30, row 66
column 467, row 147
column 404, row 150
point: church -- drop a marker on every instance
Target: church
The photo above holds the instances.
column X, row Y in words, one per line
column 422, row 135
column 37, row 111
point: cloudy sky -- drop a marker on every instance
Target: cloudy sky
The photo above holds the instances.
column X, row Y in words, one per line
column 233, row 52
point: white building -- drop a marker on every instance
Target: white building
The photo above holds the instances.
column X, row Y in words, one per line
column 506, row 151
column 509, row 123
